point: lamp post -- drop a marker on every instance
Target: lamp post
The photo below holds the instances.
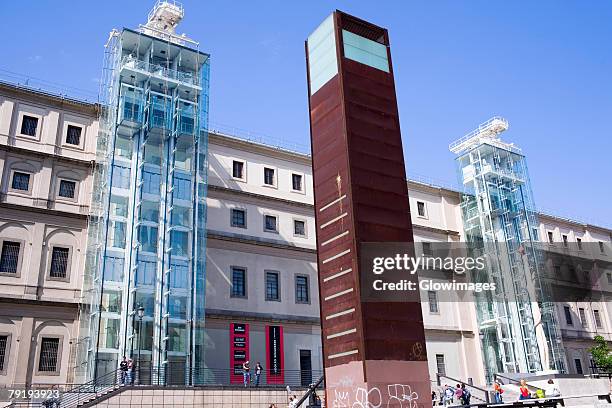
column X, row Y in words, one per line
column 140, row 313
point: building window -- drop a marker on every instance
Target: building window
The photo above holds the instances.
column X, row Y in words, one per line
column 113, row 269
column 568, row 315
column 21, row 181
column 583, row 319
column 238, row 282
column 299, row 228
column 427, row 251
column 73, row 135
column 433, row 302
column 550, row 237
column 238, row 170
column 535, row 235
column 564, row 240
column 597, row 317
column 557, row 271
column 609, row 278
column 296, row 180
column 3, row 347
column 182, row 188
column 67, row 188
column 145, row 274
column 302, row 294
column 272, row 286
column 151, row 183
column 421, row 209
column 59, row 262
column 238, row 218
column 579, row 243
column 49, row 351
column 179, row 276
column 9, row 258
column 578, row 365
column 117, row 234
column 601, row 247
column 29, row 125
column 268, row 176
column 440, row 365
column 270, row 223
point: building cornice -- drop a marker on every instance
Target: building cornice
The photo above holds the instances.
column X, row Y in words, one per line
column 37, row 96
column 39, row 153
column 215, row 137
column 218, row 235
column 212, row 187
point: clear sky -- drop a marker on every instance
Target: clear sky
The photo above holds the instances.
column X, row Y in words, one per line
column 544, row 65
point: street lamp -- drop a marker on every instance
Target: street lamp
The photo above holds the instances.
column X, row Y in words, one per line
column 140, row 313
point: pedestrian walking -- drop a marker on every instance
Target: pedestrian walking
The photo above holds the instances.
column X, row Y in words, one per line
column 258, row 370
column 246, row 373
column 466, row 395
column 123, row 368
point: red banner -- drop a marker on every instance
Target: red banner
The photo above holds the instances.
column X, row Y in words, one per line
column 239, row 350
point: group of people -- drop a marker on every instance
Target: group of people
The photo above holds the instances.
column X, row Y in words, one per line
column 246, row 373
column 126, row 367
column 550, row 390
column 461, row 394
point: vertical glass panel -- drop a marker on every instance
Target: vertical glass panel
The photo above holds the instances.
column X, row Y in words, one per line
column 151, row 182
column 121, row 176
column 365, row 51
column 111, row 301
column 180, row 243
column 179, row 276
column 152, row 154
column 116, row 234
column 147, row 235
column 322, row 61
column 119, row 206
column 123, row 146
column 177, row 307
column 145, row 274
column 109, row 333
column 177, row 337
column 182, row 188
column 149, row 211
column 113, row 269
column 181, row 216
column 146, row 300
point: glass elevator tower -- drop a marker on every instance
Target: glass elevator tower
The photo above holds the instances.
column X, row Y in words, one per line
column 517, row 322
column 147, row 236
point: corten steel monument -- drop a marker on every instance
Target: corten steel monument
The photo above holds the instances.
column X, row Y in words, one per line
column 374, row 352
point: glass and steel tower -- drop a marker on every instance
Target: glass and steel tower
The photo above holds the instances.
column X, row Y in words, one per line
column 517, row 322
column 147, row 238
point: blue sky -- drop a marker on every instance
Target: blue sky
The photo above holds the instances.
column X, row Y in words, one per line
column 546, row 66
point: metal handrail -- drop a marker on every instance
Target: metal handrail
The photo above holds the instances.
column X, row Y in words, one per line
column 487, row 393
column 311, row 390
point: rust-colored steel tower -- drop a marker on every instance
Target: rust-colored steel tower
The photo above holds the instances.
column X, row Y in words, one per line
column 374, row 352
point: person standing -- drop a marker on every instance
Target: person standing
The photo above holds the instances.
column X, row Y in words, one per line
column 497, row 388
column 458, row 393
column 448, row 395
column 123, row 368
column 130, row 371
column 525, row 394
column 246, row 373
column 551, row 389
column 258, row 369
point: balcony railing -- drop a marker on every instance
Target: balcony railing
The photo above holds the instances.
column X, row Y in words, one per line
column 190, row 78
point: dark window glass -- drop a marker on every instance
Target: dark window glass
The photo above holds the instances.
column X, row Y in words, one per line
column 597, row 317
column 302, row 294
column 297, row 182
column 238, row 218
column 601, row 247
column 579, row 243
column 421, row 208
column 151, row 182
column 9, row 257
column 49, row 349
column 73, row 136
column 182, row 188
column 29, row 125
column 550, row 237
column 268, row 176
column 270, row 222
column 440, row 365
column 433, row 301
column 21, row 181
column 299, row 227
column 59, row 262
column 272, row 289
column 238, row 282
column 3, row 344
column 568, row 315
column 564, row 240
column 578, row 364
column 67, row 188
column 427, row 249
column 238, row 169
column 583, row 319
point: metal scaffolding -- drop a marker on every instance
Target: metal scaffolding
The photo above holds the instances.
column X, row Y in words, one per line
column 517, row 322
column 147, row 237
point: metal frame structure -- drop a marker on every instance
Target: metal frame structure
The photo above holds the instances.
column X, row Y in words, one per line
column 517, row 322
column 147, row 237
